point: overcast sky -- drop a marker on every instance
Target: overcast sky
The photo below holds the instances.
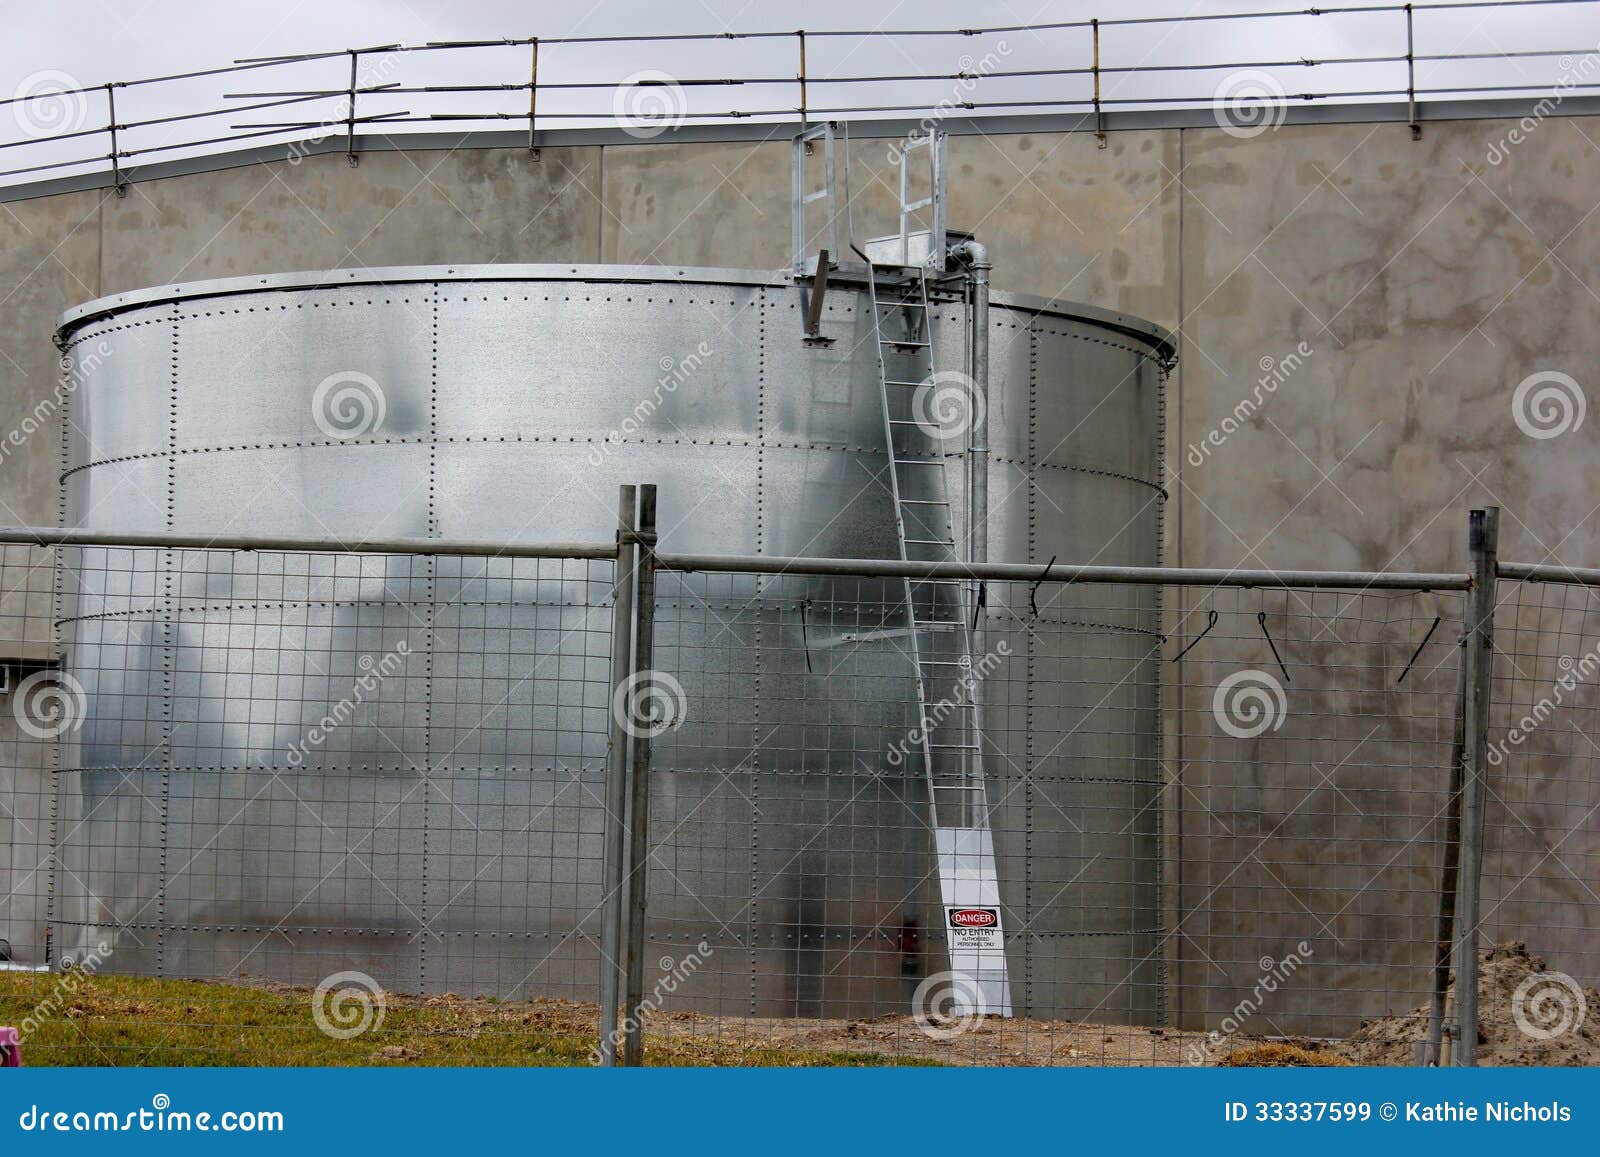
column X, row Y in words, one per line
column 89, row 42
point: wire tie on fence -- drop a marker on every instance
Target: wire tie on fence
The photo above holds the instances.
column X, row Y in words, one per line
column 1033, row 590
column 1412, row 661
column 1211, row 621
column 805, row 633
column 1261, row 620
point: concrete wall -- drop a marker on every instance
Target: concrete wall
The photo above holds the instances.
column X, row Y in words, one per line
column 1411, row 285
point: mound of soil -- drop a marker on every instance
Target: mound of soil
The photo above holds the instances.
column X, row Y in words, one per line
column 1545, row 1003
column 1283, row 1055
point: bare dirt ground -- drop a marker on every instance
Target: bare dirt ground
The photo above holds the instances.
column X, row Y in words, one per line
column 1501, row 1041
column 137, row 1020
column 984, row 1041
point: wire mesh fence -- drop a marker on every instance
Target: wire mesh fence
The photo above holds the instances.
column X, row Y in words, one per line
column 274, row 768
column 1542, row 840
column 351, row 807
column 1286, row 819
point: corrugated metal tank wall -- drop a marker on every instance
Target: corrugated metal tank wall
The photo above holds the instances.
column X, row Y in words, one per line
column 514, row 401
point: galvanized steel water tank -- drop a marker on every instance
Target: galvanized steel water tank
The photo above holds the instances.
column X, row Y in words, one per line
column 438, row 846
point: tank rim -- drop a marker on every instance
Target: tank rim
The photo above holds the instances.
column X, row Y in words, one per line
column 1158, row 338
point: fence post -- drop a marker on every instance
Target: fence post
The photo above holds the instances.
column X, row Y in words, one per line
column 1431, row 1047
column 350, row 114
column 1484, row 541
column 639, row 802
column 616, row 777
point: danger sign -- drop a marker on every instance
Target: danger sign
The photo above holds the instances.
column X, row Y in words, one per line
column 973, row 927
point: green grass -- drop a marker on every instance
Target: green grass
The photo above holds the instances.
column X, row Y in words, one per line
column 101, row 1020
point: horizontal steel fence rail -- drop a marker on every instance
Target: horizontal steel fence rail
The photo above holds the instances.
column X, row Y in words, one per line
column 1069, row 573
column 759, row 563
column 45, row 536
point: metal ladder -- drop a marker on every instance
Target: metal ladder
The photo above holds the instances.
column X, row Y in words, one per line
column 949, row 715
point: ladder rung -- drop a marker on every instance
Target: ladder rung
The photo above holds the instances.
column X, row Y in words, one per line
column 894, row 382
column 920, row 345
column 942, row 663
column 919, row 462
column 931, row 541
column 924, row 502
column 953, row 747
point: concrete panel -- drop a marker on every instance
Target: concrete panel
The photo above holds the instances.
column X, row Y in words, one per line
column 394, row 209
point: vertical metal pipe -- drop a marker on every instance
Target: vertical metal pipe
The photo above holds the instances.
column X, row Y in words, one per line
column 803, row 117
column 1099, row 114
column 350, row 113
column 533, row 94
column 1484, row 536
column 639, row 797
column 111, row 126
column 1411, row 78
column 1450, row 864
column 976, row 256
column 616, row 780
